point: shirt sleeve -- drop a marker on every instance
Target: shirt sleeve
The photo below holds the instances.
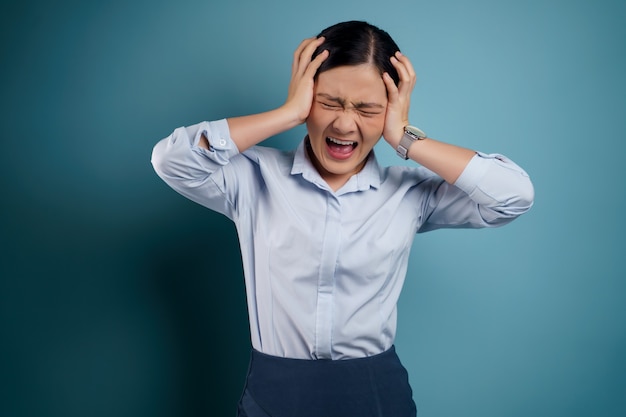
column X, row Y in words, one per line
column 195, row 172
column 499, row 191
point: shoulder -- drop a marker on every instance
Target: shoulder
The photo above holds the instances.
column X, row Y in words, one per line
column 261, row 154
column 266, row 158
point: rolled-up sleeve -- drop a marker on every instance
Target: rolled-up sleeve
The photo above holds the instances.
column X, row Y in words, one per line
column 501, row 189
column 491, row 191
column 193, row 171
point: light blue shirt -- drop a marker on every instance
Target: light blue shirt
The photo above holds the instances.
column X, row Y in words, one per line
column 323, row 269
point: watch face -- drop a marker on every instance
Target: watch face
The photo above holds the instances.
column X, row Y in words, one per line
column 417, row 132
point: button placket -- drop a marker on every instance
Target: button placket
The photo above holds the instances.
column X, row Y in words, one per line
column 326, row 279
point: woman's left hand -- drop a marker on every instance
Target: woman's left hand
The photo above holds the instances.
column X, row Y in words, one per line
column 399, row 99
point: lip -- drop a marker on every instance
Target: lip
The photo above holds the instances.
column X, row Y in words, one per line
column 340, row 156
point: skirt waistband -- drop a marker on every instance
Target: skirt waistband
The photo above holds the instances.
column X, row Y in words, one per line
column 260, row 356
column 373, row 386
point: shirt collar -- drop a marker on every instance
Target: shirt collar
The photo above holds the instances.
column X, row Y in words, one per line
column 368, row 177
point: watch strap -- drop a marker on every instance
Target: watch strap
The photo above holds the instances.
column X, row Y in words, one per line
column 411, row 134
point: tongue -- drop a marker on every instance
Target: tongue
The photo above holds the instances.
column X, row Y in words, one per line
column 339, row 151
column 342, row 149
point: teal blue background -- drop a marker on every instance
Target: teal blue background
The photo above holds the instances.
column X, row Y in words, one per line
column 120, row 298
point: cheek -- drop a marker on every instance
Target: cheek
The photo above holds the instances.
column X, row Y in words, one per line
column 373, row 127
column 314, row 121
column 315, row 130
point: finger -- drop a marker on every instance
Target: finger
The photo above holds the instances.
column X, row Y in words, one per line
column 316, row 63
column 405, row 70
column 298, row 53
column 407, row 81
column 392, row 89
column 407, row 63
column 307, row 53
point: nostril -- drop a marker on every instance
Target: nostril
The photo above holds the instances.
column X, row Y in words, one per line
column 344, row 124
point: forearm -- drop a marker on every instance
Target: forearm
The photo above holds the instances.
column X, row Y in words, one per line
column 247, row 131
column 446, row 160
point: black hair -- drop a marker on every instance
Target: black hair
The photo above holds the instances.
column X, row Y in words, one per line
column 355, row 43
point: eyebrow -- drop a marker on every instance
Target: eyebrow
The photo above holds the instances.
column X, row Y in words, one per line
column 358, row 105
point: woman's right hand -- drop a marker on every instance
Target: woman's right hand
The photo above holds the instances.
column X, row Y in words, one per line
column 303, row 69
column 247, row 131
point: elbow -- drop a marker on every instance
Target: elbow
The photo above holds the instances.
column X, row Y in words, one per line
column 525, row 196
column 503, row 211
column 166, row 157
column 518, row 203
column 158, row 159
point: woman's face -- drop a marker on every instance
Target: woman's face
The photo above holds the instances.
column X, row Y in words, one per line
column 346, row 120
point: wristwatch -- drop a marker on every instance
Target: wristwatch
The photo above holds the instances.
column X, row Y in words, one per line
column 411, row 134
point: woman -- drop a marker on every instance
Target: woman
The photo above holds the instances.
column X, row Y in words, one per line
column 325, row 232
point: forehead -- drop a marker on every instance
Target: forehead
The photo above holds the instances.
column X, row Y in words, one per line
column 353, row 83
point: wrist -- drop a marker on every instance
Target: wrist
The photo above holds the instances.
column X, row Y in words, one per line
column 394, row 138
column 289, row 116
column 410, row 135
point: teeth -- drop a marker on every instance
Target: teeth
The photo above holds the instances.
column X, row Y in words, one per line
column 341, row 142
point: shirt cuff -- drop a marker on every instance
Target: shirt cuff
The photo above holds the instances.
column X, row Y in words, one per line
column 221, row 145
column 474, row 172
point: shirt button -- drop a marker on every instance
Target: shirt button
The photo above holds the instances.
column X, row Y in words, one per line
column 222, row 142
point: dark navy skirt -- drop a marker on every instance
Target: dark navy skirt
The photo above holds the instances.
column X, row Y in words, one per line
column 375, row 386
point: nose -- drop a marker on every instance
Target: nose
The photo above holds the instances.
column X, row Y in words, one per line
column 344, row 123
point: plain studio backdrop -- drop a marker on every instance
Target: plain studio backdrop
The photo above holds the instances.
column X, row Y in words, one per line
column 119, row 297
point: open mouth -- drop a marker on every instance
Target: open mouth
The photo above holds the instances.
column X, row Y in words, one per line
column 340, row 149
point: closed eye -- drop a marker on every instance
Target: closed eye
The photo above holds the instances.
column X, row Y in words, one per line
column 369, row 113
column 360, row 110
column 329, row 106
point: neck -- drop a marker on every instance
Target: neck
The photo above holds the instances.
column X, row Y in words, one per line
column 334, row 181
